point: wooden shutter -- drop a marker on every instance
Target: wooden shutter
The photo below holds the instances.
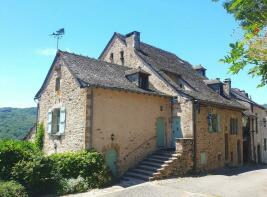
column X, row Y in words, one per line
column 218, row 122
column 210, row 122
column 49, row 121
column 62, row 120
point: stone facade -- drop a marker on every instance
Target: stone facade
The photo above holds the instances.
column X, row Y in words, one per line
column 74, row 100
column 210, row 146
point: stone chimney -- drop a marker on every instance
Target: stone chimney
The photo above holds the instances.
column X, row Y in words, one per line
column 133, row 39
column 227, row 87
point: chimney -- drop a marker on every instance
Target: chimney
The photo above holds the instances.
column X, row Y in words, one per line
column 133, row 39
column 227, row 87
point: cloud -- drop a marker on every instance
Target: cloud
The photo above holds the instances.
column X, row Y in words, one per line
column 46, row 52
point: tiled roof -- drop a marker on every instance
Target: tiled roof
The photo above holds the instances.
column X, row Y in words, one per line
column 162, row 61
column 91, row 72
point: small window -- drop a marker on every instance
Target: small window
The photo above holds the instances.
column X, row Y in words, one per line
column 111, row 57
column 143, row 81
column 55, row 121
column 233, row 125
column 57, row 88
column 122, row 57
column 213, row 122
column 203, row 158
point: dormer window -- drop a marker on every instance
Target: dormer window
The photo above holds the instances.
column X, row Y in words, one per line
column 180, row 83
column 122, row 57
column 111, row 57
column 138, row 77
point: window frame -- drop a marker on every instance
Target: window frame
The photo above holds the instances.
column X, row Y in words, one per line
column 234, row 127
column 214, row 123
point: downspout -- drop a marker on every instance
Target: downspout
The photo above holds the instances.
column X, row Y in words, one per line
column 195, row 108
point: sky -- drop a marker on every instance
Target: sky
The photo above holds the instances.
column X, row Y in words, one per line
column 197, row 31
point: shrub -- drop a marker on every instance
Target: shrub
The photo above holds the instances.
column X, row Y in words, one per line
column 89, row 165
column 38, row 176
column 39, row 137
column 72, row 186
column 12, row 189
column 13, row 151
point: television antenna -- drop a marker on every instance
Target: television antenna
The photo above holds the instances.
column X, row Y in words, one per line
column 58, row 35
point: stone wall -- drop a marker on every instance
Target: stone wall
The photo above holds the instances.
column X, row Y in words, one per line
column 181, row 162
column 184, row 106
column 73, row 99
column 131, row 119
column 210, row 146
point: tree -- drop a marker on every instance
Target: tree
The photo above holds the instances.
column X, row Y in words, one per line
column 251, row 49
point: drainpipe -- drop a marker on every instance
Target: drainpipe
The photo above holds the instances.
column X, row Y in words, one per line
column 195, row 108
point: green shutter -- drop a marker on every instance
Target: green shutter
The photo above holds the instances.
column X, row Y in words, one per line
column 62, row 120
column 49, row 121
column 218, row 122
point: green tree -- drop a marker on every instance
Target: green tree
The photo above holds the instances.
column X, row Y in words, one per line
column 39, row 137
column 251, row 49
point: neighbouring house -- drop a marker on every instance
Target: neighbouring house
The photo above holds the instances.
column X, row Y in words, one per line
column 254, row 128
column 197, row 111
column 135, row 104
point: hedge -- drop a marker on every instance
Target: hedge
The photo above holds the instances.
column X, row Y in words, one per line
column 89, row 165
column 12, row 189
column 13, row 151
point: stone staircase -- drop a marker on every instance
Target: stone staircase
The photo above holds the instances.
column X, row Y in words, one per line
column 155, row 166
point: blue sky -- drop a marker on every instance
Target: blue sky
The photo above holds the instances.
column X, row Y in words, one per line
column 197, row 31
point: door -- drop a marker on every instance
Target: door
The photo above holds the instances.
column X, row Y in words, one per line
column 259, row 153
column 160, row 132
column 238, row 151
column 176, row 129
column 111, row 157
column 226, row 148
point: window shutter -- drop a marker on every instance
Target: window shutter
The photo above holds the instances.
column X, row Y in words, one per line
column 218, row 122
column 62, row 120
column 49, row 121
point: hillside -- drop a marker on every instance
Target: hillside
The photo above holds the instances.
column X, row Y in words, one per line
column 265, row 105
column 16, row 122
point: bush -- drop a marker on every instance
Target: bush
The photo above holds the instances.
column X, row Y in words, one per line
column 72, row 186
column 38, row 176
column 39, row 137
column 13, row 151
column 89, row 165
column 12, row 189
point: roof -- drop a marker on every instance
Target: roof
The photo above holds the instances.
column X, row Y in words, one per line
column 199, row 67
column 91, row 72
column 212, row 81
column 138, row 70
column 243, row 96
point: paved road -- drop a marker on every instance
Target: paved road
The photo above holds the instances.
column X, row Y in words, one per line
column 241, row 182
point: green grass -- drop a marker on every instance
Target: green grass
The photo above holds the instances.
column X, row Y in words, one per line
column 16, row 122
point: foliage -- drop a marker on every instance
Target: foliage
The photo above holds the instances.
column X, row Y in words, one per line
column 72, row 186
column 16, row 122
column 252, row 48
column 13, row 151
column 89, row 165
column 39, row 137
column 38, row 176
column 12, row 189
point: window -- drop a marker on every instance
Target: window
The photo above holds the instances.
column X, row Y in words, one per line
column 122, row 57
column 203, row 158
column 57, row 88
column 265, row 144
column 56, row 121
column 111, row 57
column 143, row 81
column 233, row 125
column 214, row 122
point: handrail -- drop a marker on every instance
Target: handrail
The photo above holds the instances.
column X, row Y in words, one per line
column 139, row 146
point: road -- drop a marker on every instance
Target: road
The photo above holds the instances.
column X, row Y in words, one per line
column 239, row 182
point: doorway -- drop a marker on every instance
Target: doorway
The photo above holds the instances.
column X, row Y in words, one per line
column 111, row 158
column 259, row 153
column 238, row 151
column 160, row 125
column 176, row 130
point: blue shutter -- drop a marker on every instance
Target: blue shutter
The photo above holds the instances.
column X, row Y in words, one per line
column 62, row 120
column 49, row 121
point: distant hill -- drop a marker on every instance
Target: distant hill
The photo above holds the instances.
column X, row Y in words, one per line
column 16, row 122
column 265, row 105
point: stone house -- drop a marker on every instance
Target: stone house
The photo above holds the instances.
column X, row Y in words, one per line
column 254, row 128
column 137, row 99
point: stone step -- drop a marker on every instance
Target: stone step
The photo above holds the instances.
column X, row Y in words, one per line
column 145, row 172
column 136, row 176
column 161, row 157
column 148, row 167
column 152, row 164
column 164, row 153
column 159, row 161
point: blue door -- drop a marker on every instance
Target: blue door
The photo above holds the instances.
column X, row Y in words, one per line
column 160, row 132
column 111, row 157
column 176, row 129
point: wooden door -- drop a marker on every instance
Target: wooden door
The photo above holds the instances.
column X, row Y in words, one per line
column 111, row 158
column 176, row 129
column 160, row 125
